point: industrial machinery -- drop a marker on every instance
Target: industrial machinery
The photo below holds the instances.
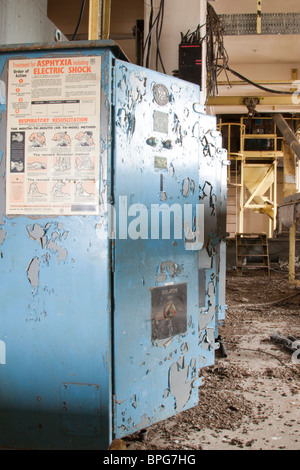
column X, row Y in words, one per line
column 112, row 239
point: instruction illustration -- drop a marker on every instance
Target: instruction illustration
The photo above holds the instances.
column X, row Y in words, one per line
column 53, row 136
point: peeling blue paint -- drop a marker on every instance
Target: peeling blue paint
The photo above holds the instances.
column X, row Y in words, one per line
column 79, row 330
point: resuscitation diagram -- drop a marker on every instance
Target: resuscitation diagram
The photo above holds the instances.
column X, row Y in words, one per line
column 53, row 148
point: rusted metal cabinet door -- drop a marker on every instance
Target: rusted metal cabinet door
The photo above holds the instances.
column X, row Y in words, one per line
column 156, row 169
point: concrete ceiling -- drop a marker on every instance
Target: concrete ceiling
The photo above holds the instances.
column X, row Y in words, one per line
column 271, row 59
column 259, row 49
column 263, row 49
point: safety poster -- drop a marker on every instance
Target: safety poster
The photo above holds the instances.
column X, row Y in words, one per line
column 53, row 136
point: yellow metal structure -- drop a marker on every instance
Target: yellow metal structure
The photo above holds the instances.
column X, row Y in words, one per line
column 292, row 254
column 252, row 175
column 106, row 5
column 94, row 30
column 259, row 182
column 231, row 132
column 99, row 19
column 285, row 100
column 289, row 171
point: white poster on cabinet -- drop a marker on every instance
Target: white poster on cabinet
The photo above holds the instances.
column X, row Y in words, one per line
column 53, row 136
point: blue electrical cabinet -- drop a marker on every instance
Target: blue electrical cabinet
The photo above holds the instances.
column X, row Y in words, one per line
column 112, row 245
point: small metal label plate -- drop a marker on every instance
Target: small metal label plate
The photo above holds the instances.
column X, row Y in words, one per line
column 160, row 122
column 160, row 163
column 169, row 311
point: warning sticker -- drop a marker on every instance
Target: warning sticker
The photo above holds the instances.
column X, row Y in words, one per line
column 53, row 136
column 169, row 311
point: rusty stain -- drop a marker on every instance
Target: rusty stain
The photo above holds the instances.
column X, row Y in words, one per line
column 119, row 402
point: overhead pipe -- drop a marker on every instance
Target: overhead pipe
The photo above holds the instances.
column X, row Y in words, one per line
column 287, row 133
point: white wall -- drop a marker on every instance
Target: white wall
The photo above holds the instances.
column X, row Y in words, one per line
column 25, row 21
column 179, row 17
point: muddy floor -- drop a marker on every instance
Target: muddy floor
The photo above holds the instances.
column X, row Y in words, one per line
column 251, row 398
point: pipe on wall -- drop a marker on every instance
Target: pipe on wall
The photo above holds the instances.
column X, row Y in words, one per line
column 287, row 133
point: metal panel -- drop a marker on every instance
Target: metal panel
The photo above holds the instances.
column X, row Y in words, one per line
column 158, row 146
column 156, row 164
column 280, row 23
column 55, row 307
column 239, row 24
column 271, row 23
column 81, row 409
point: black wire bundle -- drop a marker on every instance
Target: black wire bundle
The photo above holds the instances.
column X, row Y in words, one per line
column 193, row 37
column 158, row 21
column 216, row 55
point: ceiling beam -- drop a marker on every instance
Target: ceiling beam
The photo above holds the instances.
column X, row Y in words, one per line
column 239, row 100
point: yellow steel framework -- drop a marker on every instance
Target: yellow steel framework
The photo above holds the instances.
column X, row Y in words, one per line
column 252, row 175
column 259, row 184
column 99, row 19
column 106, row 18
column 285, row 100
column 94, row 30
column 235, row 172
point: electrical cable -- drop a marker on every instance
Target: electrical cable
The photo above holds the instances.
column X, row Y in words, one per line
column 158, row 35
column 261, row 87
column 216, row 54
column 261, row 351
column 217, row 58
column 193, row 37
column 79, row 19
column 158, row 21
column 263, row 304
column 148, row 39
